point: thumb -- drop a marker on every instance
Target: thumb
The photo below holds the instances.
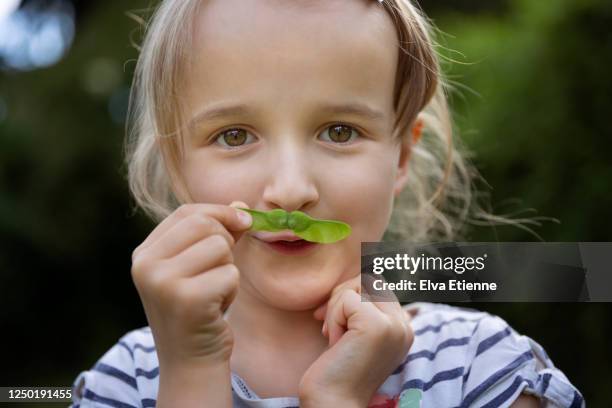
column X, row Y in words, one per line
column 240, row 204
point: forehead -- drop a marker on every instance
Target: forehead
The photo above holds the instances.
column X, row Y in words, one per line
column 282, row 51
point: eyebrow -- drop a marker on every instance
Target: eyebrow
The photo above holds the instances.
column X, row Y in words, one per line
column 354, row 108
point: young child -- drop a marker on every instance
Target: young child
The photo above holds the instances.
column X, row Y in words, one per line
column 315, row 106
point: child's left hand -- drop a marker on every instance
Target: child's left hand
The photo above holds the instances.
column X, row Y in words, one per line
column 367, row 342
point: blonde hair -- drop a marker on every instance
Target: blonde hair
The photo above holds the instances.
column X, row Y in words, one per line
column 438, row 199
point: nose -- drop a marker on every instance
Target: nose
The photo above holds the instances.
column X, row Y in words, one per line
column 291, row 182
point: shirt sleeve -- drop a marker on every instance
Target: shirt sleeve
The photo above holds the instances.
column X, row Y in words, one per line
column 110, row 382
column 503, row 364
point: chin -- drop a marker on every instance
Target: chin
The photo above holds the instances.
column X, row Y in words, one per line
column 295, row 284
column 294, row 294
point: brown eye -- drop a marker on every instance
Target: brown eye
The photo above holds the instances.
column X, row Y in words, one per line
column 339, row 133
column 233, row 137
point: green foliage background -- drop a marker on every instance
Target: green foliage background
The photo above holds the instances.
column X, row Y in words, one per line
column 533, row 105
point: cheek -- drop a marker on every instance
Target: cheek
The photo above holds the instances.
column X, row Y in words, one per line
column 362, row 192
column 211, row 180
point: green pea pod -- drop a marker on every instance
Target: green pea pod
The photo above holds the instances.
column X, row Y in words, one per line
column 304, row 226
column 273, row 221
column 322, row 231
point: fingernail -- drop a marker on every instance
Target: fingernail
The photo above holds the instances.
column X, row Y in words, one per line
column 245, row 218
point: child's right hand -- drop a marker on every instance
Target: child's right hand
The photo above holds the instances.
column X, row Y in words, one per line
column 186, row 279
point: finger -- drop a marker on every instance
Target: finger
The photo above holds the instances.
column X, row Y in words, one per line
column 234, row 220
column 223, row 279
column 395, row 311
column 245, row 216
column 347, row 306
column 352, row 283
column 204, row 255
column 228, row 216
column 331, row 328
column 203, row 299
column 386, row 300
column 187, row 232
column 335, row 320
column 350, row 313
column 239, row 204
column 327, row 310
column 320, row 312
column 390, row 306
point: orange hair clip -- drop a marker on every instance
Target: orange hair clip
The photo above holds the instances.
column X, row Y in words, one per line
column 417, row 131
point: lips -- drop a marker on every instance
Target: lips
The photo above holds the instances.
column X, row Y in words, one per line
column 299, row 247
column 285, row 243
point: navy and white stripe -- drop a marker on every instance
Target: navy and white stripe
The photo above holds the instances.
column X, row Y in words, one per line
column 459, row 358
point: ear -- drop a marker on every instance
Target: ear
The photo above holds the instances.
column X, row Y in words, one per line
column 402, row 165
column 406, row 144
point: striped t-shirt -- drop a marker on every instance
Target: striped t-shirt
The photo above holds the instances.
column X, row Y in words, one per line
column 459, row 358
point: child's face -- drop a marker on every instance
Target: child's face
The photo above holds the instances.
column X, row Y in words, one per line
column 289, row 64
